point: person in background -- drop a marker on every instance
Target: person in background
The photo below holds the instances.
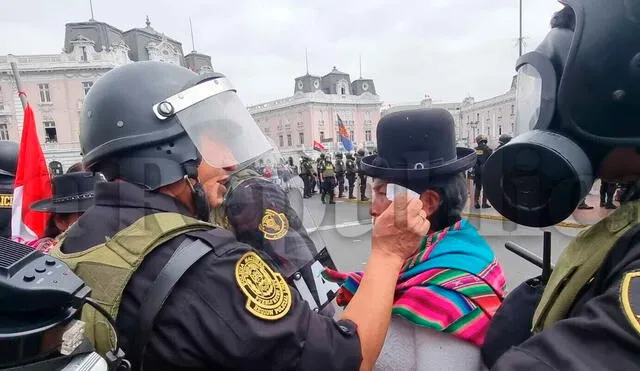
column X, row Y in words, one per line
column 606, row 194
column 328, row 181
column 448, row 291
column 504, row 139
column 8, row 164
column 362, row 177
column 351, row 174
column 483, row 152
column 340, row 174
column 73, row 194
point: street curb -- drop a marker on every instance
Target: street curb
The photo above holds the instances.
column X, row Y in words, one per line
column 500, row 217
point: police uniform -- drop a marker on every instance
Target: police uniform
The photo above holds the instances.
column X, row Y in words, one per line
column 306, row 173
column 209, row 322
column 340, row 174
column 586, row 314
column 362, row 177
column 319, row 170
column 351, row 174
column 8, row 164
column 329, row 181
column 230, row 308
column 483, row 152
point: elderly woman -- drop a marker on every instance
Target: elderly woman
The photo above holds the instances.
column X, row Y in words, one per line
column 451, row 287
column 73, row 194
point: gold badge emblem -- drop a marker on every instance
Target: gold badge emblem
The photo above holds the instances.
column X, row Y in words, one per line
column 479, row 152
column 6, row 201
column 268, row 295
column 274, row 225
column 630, row 298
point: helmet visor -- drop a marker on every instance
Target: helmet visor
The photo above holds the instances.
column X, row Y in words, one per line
column 528, row 98
column 223, row 130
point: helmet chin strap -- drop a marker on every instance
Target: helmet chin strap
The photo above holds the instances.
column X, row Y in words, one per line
column 200, row 200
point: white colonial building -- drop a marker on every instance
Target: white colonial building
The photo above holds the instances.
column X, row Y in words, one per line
column 491, row 117
column 56, row 84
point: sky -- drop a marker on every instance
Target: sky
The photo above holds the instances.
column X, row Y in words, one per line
column 447, row 49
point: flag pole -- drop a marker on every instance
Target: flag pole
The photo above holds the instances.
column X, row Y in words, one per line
column 16, row 77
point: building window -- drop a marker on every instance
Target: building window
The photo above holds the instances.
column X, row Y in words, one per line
column 513, row 110
column 488, row 131
column 281, row 141
column 45, row 96
column 500, row 130
column 321, row 136
column 342, row 91
column 351, row 136
column 301, row 137
column 367, row 135
column 86, row 86
column 4, row 132
column 50, row 134
column 289, row 143
column 478, row 117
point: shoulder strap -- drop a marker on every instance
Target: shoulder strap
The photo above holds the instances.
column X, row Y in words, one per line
column 186, row 255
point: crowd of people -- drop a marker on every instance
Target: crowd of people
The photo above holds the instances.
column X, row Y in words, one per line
column 185, row 177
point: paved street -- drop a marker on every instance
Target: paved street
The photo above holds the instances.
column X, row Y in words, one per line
column 345, row 228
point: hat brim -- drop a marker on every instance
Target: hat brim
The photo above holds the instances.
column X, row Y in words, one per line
column 466, row 158
column 70, row 207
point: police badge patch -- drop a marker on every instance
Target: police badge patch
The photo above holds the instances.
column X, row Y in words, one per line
column 630, row 298
column 268, row 294
column 273, row 225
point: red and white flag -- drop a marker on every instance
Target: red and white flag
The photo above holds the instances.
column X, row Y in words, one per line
column 32, row 184
column 318, row 146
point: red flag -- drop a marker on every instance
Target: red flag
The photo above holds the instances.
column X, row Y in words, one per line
column 32, row 184
column 318, row 146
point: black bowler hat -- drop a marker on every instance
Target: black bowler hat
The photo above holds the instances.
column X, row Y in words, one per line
column 72, row 193
column 416, row 148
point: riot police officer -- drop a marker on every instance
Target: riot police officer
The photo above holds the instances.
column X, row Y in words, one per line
column 483, row 152
column 351, row 174
column 576, row 121
column 362, row 177
column 306, row 173
column 187, row 294
column 340, row 174
column 8, row 164
column 328, row 180
column 503, row 139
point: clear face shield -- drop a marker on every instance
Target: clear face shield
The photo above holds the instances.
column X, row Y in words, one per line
column 528, row 98
column 217, row 122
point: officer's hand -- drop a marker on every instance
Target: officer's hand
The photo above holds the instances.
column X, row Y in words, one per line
column 401, row 227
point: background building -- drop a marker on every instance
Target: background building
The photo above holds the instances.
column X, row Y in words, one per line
column 56, row 84
column 293, row 123
column 492, row 117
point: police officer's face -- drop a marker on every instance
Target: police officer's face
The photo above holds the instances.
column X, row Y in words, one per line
column 213, row 180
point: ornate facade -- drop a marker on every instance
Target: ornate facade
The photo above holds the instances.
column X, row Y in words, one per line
column 491, row 117
column 56, row 84
column 293, row 123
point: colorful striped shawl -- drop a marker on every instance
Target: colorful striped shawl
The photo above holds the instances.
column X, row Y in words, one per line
column 452, row 284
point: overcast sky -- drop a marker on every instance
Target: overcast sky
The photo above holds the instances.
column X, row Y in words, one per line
column 444, row 48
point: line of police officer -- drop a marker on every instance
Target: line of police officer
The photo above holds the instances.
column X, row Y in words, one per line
column 332, row 175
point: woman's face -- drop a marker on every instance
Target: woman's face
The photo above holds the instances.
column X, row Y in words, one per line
column 379, row 202
column 64, row 221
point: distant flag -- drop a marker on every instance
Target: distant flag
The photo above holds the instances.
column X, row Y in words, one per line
column 344, row 136
column 32, row 184
column 318, row 146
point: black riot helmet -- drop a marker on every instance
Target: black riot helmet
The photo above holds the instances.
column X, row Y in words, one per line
column 151, row 123
column 577, row 98
column 338, row 155
column 361, row 152
column 349, row 156
column 504, row 139
column 8, row 157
